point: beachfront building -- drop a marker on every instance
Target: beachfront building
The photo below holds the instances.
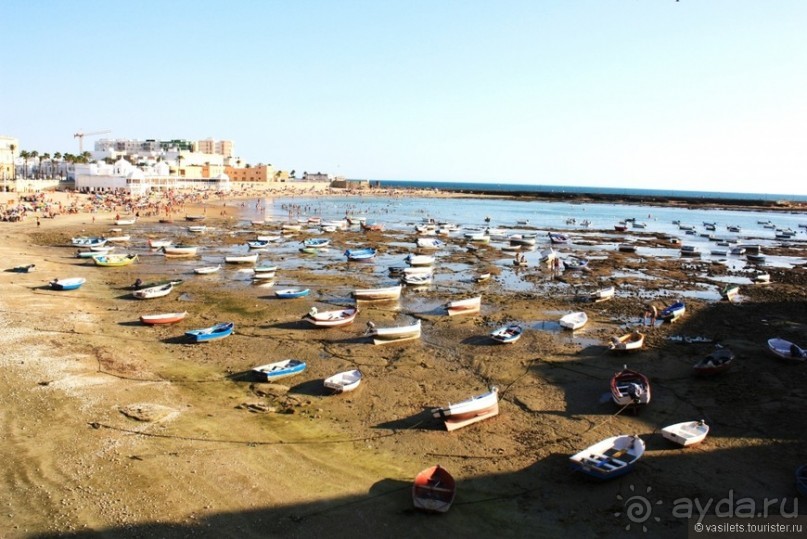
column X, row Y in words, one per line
column 257, row 174
column 341, row 182
column 123, row 176
column 9, row 149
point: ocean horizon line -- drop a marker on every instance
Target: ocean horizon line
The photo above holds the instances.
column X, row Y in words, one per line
column 505, row 188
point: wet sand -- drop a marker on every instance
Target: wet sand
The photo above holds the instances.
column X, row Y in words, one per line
column 112, row 428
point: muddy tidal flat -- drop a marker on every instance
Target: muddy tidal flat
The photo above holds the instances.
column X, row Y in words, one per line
column 113, row 428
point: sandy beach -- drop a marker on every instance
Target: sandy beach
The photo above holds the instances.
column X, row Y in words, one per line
column 116, row 429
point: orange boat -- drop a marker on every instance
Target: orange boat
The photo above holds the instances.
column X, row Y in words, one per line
column 434, row 490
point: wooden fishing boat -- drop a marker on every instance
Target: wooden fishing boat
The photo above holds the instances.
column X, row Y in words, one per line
column 718, row 361
column 292, row 293
column 378, row 294
column 344, row 381
column 279, row 370
column 263, row 276
column 464, row 306
column 180, row 250
column 212, row 333
column 626, row 248
column 114, row 260
column 159, row 244
column 630, row 388
column 786, row 350
column 574, row 263
column 264, row 269
column 243, row 259
column 686, row 433
column 690, row 251
column 418, row 279
column 194, row 217
column 482, row 277
column 95, row 251
column 574, row 320
column 603, row 294
column 331, row 318
column 558, row 238
column 206, row 270
column 395, row 334
column 522, row 240
column 291, row 227
column 761, row 277
column 269, row 239
column 153, row 292
column 119, row 239
column 163, row 318
column 730, row 291
column 197, row 229
column 72, row 283
column 140, row 285
column 630, row 341
column 673, row 312
column 419, row 260
column 477, row 237
column 417, row 270
column 85, row 241
column 258, row 244
column 472, row 407
column 434, row 490
column 507, row 334
column 801, row 479
column 316, row 243
column 609, row 458
column 365, row 253
column 429, row 243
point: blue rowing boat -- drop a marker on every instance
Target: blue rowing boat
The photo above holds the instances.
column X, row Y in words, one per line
column 219, row 331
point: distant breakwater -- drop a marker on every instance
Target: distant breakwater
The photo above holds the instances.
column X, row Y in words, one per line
column 612, row 198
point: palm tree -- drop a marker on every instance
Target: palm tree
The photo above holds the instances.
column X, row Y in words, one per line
column 13, row 147
column 85, row 156
column 25, row 154
column 46, row 157
column 58, row 157
column 35, row 155
column 180, row 157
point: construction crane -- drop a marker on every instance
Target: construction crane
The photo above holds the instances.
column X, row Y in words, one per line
column 81, row 134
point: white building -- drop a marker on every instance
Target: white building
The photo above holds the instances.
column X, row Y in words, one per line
column 126, row 177
column 7, row 156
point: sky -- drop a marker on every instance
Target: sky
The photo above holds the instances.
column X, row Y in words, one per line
column 693, row 94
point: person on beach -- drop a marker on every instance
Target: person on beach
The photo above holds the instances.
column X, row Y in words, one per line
column 651, row 312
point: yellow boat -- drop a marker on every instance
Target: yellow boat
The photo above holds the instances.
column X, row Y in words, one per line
column 114, row 260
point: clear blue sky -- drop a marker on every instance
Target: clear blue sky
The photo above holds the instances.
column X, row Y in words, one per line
column 696, row 94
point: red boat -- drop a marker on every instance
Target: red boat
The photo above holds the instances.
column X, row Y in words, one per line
column 434, row 490
column 630, row 388
column 718, row 361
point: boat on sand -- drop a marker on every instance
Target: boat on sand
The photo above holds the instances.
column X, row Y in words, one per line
column 434, row 490
column 609, row 458
column 686, row 433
